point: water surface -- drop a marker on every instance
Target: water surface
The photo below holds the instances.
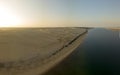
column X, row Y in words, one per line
column 99, row 54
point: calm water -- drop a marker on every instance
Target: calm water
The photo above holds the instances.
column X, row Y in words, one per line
column 99, row 54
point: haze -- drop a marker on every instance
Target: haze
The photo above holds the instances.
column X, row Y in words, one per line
column 37, row 13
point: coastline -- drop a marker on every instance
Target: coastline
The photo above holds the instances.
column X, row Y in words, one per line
column 28, row 67
column 55, row 59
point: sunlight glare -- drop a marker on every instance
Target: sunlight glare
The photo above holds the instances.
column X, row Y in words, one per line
column 8, row 18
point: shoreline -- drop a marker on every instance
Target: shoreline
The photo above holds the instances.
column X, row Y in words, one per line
column 79, row 38
column 57, row 58
column 51, row 61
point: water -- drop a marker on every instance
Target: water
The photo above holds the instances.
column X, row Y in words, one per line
column 99, row 54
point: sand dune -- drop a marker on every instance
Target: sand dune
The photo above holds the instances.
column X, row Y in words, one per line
column 22, row 49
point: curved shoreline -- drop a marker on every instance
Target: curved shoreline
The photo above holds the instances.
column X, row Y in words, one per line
column 51, row 60
column 76, row 41
column 73, row 45
column 56, row 59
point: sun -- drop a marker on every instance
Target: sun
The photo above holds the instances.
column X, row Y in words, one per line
column 8, row 18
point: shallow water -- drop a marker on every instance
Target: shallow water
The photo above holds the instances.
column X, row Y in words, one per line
column 99, row 54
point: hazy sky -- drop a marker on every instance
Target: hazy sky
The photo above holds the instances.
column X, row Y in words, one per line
column 65, row 12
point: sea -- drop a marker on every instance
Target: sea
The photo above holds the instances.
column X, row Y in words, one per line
column 99, row 54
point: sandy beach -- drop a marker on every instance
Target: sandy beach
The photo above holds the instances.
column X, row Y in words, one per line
column 35, row 50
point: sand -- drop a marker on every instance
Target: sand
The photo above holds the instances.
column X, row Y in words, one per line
column 33, row 51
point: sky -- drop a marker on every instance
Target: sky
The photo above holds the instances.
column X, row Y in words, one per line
column 37, row 13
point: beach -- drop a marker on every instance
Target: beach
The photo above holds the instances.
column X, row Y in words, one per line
column 33, row 51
